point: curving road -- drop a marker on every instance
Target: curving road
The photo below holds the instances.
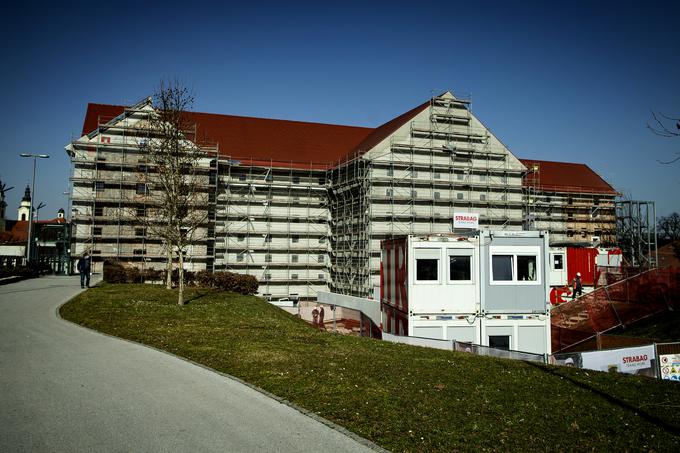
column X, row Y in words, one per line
column 67, row 389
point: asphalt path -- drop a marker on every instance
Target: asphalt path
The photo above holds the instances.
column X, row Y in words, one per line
column 64, row 388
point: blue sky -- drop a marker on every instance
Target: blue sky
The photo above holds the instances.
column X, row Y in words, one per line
column 574, row 82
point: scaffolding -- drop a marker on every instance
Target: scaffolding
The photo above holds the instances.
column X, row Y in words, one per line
column 273, row 223
column 636, row 232
column 443, row 161
column 110, row 192
column 305, row 227
column 574, row 215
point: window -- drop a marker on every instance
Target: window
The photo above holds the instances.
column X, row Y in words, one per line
column 267, row 258
column 139, row 232
column 390, row 171
column 268, row 238
column 526, row 268
column 427, row 269
column 515, row 265
column 98, row 211
column 437, row 175
column 437, row 195
column 322, row 181
column 269, row 177
column 414, row 194
column 460, row 267
column 241, row 237
column 321, row 277
column 294, row 258
column 388, row 192
column 142, row 189
column 482, row 197
column 99, row 186
column 139, row 252
column 459, row 176
column 322, row 240
column 239, row 257
column 504, row 197
column 460, row 196
column 501, row 267
column 141, row 168
column 141, row 212
column 482, row 178
column 105, row 139
column 96, row 231
column 321, row 259
column 295, row 238
column 267, row 276
column 504, row 179
column 414, row 173
column 499, row 342
column 558, row 262
column 293, row 276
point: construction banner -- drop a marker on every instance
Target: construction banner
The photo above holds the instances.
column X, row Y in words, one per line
column 670, row 366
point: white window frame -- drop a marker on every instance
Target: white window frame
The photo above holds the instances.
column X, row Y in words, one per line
column 468, row 251
column 515, row 251
column 428, row 253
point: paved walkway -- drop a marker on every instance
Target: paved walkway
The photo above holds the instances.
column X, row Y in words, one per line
column 66, row 389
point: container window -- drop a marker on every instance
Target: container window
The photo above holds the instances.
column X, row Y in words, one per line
column 427, row 269
column 526, row 268
column 499, row 342
column 502, row 268
column 460, row 268
column 558, row 262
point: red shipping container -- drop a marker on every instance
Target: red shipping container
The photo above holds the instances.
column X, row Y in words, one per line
column 581, row 259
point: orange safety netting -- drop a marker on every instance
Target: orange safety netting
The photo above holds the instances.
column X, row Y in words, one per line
column 619, row 304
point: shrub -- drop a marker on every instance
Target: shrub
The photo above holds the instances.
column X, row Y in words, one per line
column 114, row 272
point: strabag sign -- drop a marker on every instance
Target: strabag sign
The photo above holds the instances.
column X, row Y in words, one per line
column 466, row 220
column 627, row 360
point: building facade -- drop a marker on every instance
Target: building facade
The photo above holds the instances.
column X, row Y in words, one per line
column 301, row 206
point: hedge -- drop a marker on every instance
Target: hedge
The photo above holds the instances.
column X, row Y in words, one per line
column 31, row 271
column 115, row 272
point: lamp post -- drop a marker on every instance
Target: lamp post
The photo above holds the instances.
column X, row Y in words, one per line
column 30, row 209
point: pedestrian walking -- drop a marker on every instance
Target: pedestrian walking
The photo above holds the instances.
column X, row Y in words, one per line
column 321, row 315
column 578, row 286
column 84, row 269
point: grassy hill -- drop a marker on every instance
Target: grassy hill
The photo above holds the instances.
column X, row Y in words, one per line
column 404, row 398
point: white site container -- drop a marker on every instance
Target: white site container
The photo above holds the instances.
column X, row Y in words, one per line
column 489, row 288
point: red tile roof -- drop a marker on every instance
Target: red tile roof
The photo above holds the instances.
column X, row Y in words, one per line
column 261, row 140
column 565, row 177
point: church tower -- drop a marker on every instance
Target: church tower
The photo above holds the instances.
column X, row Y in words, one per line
column 24, row 212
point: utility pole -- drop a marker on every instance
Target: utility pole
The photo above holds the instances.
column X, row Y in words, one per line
column 30, row 209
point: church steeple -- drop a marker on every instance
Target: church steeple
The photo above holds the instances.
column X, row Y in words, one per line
column 24, row 212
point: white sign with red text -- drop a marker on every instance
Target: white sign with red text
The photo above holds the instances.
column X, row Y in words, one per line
column 466, row 220
column 628, row 360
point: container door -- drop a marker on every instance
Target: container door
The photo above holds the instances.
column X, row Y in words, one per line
column 558, row 269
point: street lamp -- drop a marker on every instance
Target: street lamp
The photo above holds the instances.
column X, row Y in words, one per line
column 30, row 209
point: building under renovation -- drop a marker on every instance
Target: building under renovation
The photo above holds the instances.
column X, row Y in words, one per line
column 303, row 206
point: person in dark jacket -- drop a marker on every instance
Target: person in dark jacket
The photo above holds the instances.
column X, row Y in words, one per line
column 84, row 269
column 578, row 286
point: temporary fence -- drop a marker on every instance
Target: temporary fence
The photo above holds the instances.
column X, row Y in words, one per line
column 585, row 319
column 453, row 345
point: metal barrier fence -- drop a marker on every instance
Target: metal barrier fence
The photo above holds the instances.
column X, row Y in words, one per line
column 453, row 345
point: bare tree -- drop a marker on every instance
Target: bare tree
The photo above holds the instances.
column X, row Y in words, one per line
column 669, row 227
column 176, row 178
column 663, row 127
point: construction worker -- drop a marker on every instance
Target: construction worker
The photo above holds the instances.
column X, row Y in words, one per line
column 578, row 286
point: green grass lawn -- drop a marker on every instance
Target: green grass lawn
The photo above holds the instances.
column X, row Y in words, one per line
column 404, row 398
